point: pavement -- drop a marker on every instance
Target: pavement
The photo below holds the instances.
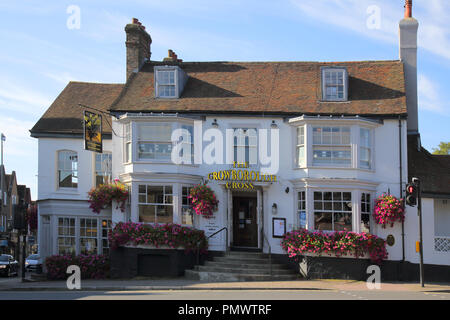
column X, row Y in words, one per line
column 145, row 284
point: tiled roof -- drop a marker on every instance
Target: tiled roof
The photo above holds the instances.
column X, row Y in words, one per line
column 65, row 116
column 375, row 88
column 432, row 170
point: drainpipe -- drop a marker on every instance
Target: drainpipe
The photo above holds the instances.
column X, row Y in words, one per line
column 401, row 181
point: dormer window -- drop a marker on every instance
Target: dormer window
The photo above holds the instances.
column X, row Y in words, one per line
column 334, row 84
column 169, row 81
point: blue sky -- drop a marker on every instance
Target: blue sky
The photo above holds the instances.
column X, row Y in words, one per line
column 39, row 54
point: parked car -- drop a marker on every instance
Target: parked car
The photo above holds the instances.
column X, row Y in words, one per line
column 8, row 265
column 33, row 263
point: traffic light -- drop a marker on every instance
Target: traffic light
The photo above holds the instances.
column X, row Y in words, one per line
column 411, row 195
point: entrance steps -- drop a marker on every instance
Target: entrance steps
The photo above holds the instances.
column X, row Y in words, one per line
column 241, row 266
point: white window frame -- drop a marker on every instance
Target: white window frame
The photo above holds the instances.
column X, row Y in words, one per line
column 88, row 237
column 332, row 211
column 332, row 146
column 299, row 145
column 301, row 196
column 159, row 84
column 344, row 85
column 174, row 125
column 108, row 173
column 68, row 227
column 239, row 147
column 58, row 169
column 369, row 213
column 77, row 236
column 127, row 142
column 164, row 203
column 183, row 206
column 370, row 148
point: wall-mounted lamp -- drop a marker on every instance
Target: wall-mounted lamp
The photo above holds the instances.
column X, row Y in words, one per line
column 273, row 125
column 274, row 209
column 215, row 124
column 286, row 190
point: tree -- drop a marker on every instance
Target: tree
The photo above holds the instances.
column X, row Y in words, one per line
column 442, row 149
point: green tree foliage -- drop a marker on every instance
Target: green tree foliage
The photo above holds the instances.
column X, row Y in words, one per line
column 442, row 149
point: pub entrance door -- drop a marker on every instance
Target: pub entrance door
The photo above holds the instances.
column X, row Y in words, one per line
column 245, row 222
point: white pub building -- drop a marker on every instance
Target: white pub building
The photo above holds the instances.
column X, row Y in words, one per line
column 284, row 145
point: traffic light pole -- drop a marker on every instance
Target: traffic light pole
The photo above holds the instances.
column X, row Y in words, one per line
column 416, row 181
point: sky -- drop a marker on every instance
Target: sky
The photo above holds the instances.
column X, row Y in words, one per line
column 46, row 44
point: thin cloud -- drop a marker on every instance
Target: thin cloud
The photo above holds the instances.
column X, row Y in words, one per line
column 433, row 17
column 429, row 98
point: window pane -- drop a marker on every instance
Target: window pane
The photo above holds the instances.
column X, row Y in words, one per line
column 155, row 132
column 342, row 221
column 323, row 220
column 147, row 213
column 159, row 151
column 164, row 214
column 155, row 194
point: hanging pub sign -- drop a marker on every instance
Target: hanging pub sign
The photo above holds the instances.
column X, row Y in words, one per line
column 92, row 132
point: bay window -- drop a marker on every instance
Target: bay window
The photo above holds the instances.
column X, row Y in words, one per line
column 186, row 210
column 300, row 151
column 106, row 228
column 66, row 236
column 154, row 141
column 301, row 209
column 127, row 143
column 365, row 149
column 365, row 212
column 332, row 211
column 155, row 204
column 88, row 236
column 331, row 146
column 82, row 235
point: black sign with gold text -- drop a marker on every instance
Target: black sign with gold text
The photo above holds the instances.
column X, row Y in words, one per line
column 92, row 132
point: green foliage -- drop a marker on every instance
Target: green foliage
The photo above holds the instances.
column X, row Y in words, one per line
column 442, row 149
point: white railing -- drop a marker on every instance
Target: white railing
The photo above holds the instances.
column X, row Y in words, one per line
column 442, row 244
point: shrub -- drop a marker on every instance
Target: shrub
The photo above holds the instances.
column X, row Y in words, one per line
column 91, row 266
column 299, row 242
column 172, row 235
column 100, row 197
column 203, row 200
column 388, row 209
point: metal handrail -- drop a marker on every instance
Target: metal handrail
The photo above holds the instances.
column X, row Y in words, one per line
column 212, row 235
column 270, row 251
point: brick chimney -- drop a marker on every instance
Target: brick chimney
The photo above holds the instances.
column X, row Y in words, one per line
column 172, row 57
column 408, row 55
column 138, row 46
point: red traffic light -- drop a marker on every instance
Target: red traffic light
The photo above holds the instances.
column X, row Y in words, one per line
column 411, row 189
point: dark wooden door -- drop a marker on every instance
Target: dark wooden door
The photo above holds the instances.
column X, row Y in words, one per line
column 245, row 227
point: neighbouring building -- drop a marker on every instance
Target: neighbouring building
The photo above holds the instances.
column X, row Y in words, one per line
column 14, row 201
column 343, row 130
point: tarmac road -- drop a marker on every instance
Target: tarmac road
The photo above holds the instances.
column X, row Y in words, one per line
column 225, row 295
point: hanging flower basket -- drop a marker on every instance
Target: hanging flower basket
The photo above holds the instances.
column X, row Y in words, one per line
column 203, row 200
column 388, row 209
column 101, row 197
